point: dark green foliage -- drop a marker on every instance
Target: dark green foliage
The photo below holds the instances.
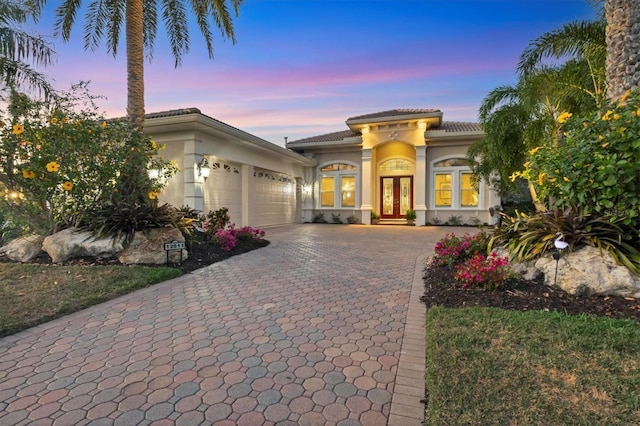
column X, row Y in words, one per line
column 123, row 219
column 319, row 218
column 352, row 219
column 218, row 219
column 335, row 218
column 530, row 237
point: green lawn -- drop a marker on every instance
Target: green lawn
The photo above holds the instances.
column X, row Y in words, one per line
column 33, row 294
column 487, row 366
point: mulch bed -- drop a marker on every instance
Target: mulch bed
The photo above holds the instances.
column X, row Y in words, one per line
column 522, row 295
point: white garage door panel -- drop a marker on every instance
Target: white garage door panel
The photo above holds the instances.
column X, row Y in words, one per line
column 275, row 198
column 223, row 189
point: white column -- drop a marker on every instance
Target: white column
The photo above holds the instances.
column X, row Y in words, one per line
column 420, row 186
column 365, row 185
column 247, row 188
column 193, row 186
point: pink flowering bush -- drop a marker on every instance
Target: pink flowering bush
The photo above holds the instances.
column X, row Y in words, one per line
column 228, row 238
column 489, row 272
column 453, row 249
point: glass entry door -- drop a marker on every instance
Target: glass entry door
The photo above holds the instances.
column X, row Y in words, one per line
column 396, row 196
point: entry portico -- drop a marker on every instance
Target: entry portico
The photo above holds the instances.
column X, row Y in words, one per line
column 393, row 161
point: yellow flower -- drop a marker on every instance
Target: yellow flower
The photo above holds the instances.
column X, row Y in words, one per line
column 53, row 121
column 514, row 176
column 541, row 178
column 67, row 186
column 562, row 118
column 53, row 166
column 551, row 180
column 28, row 174
column 607, row 115
column 624, row 97
column 526, row 164
column 585, row 124
column 18, row 129
column 154, row 145
column 616, row 116
column 600, row 137
column 566, row 179
column 153, row 195
column 534, row 150
column 604, row 145
column 104, row 124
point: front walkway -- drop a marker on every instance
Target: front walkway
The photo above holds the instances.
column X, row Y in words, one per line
column 323, row 326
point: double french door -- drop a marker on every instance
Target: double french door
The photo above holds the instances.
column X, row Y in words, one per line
column 396, row 196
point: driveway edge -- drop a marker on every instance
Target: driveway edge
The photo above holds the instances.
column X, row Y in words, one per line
column 406, row 406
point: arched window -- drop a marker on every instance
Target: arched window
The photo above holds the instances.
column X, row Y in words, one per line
column 453, row 184
column 396, row 165
column 338, row 185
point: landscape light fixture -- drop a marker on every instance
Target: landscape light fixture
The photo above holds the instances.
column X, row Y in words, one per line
column 204, row 170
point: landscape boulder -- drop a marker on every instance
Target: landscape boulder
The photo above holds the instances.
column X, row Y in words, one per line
column 23, row 249
column 72, row 243
column 588, row 272
column 148, row 247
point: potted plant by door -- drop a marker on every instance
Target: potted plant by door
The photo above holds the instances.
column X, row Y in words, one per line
column 410, row 216
column 375, row 218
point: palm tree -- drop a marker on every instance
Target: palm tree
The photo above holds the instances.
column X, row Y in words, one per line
column 623, row 46
column 518, row 118
column 104, row 18
column 16, row 47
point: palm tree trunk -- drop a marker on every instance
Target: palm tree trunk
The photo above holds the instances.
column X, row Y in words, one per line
column 623, row 46
column 135, row 63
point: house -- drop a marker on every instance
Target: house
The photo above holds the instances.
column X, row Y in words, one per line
column 387, row 162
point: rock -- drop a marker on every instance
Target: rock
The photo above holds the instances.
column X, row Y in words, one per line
column 587, row 272
column 148, row 247
column 72, row 243
column 527, row 270
column 23, row 249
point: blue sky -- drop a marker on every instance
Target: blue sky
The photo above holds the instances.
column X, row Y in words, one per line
column 302, row 67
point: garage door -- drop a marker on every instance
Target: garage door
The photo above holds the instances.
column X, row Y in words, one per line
column 223, row 188
column 275, row 198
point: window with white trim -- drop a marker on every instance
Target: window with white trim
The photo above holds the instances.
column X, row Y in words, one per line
column 453, row 185
column 338, row 185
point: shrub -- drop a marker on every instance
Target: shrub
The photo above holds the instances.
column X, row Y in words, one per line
column 228, row 238
column 454, row 220
column 530, row 237
column 215, row 220
column 319, row 218
column 489, row 272
column 594, row 164
column 453, row 249
column 123, row 219
column 335, row 218
column 61, row 161
column 352, row 219
column 410, row 215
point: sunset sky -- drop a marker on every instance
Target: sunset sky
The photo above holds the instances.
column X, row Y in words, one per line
column 302, row 67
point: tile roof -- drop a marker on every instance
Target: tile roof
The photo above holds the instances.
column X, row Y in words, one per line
column 173, row 113
column 459, row 126
column 328, row 137
column 394, row 112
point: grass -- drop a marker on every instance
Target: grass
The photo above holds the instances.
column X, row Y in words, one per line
column 34, row 294
column 488, row 366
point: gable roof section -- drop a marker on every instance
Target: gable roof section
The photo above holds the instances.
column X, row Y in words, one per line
column 328, row 137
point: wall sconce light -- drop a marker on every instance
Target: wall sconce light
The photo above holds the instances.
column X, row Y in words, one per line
column 204, row 170
column 306, row 189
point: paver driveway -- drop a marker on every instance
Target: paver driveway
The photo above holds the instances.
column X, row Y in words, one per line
column 309, row 330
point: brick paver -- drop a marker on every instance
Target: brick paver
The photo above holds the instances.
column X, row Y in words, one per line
column 323, row 326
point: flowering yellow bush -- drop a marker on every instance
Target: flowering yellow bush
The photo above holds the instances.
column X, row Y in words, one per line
column 58, row 164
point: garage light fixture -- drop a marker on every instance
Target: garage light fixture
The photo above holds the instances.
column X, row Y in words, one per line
column 204, row 170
